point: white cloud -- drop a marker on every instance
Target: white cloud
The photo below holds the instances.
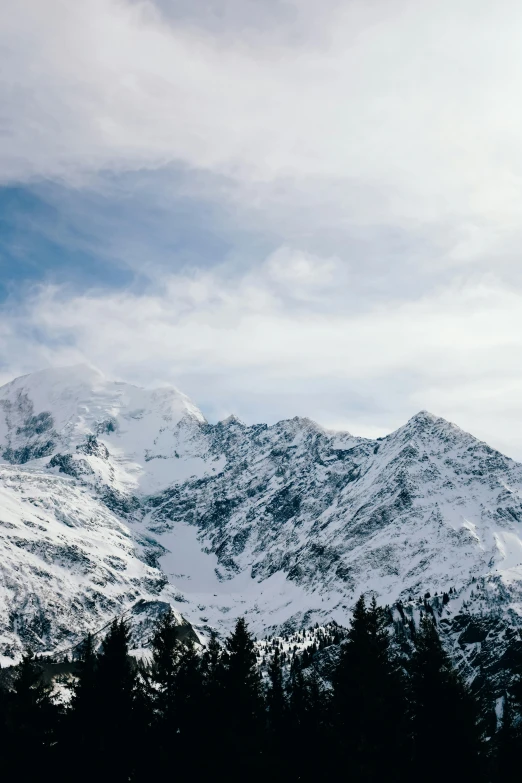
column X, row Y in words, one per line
column 240, row 344
column 420, row 100
column 289, row 266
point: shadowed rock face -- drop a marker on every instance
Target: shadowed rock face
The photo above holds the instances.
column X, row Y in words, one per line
column 33, row 436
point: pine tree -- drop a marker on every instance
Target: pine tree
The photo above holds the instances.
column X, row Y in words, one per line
column 296, row 694
column 212, row 681
column 242, row 677
column 31, row 720
column 368, row 702
column 211, row 661
column 278, row 716
column 85, row 696
column 189, row 695
column 276, row 697
column 116, row 672
column 31, row 696
column 144, row 727
column 308, row 726
column 444, row 714
column 177, row 696
column 165, row 662
column 245, row 706
column 80, row 734
column 117, row 683
column 213, row 728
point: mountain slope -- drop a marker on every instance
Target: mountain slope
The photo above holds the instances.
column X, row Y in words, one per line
column 68, row 564
column 426, row 507
column 287, row 523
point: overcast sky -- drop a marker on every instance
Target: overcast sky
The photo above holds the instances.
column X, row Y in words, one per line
column 282, row 207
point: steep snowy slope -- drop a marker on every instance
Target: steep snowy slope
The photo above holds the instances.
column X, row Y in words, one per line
column 288, row 523
column 68, row 565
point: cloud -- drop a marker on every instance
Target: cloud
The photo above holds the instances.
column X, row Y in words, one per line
column 245, row 345
column 302, row 275
column 331, row 127
column 419, row 102
column 319, row 203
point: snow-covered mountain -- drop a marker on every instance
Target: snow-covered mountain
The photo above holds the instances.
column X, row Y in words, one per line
column 69, row 561
column 114, row 497
column 309, row 519
column 153, row 436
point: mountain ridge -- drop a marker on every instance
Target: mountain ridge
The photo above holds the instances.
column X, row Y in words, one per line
column 286, row 523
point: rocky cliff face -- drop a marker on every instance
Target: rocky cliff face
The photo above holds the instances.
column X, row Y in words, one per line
column 426, row 508
column 139, row 498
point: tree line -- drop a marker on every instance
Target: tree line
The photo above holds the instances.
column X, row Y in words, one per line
column 373, row 715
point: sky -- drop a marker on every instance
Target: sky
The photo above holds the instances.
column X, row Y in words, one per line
column 282, row 207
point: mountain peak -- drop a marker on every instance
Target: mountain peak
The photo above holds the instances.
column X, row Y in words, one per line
column 75, row 374
column 53, row 411
column 232, row 419
column 426, row 425
column 424, row 421
column 425, row 417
